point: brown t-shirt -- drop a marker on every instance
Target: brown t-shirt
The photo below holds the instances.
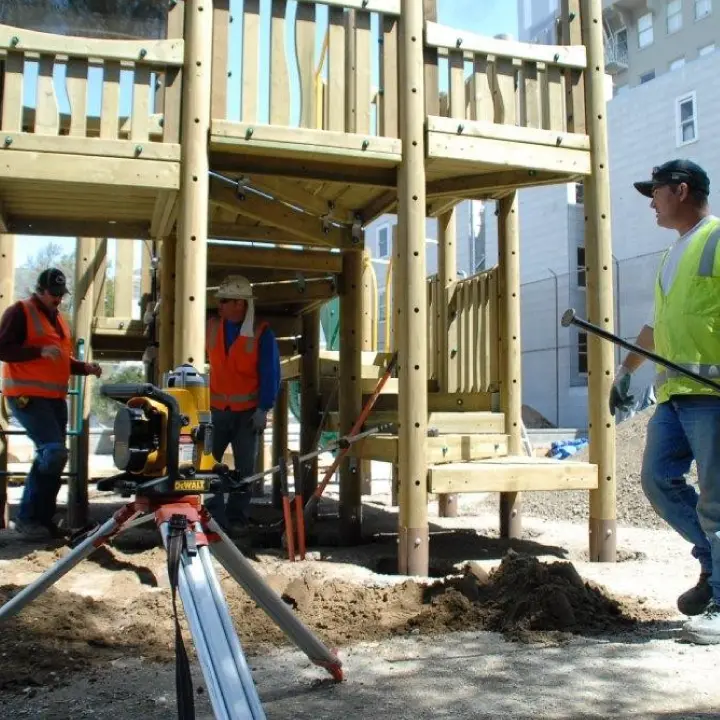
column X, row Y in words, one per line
column 13, row 333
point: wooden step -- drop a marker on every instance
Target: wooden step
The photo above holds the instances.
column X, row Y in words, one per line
column 453, row 448
column 447, row 423
column 512, row 474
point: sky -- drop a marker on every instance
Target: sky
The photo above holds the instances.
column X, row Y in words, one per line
column 486, row 17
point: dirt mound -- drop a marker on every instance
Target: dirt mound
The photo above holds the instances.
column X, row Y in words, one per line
column 533, row 419
column 62, row 632
column 632, row 505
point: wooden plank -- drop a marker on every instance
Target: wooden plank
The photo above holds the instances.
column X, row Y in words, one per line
column 363, row 68
column 302, row 141
column 456, row 84
column 336, row 70
column 512, row 474
column 12, row 105
column 47, row 118
column 489, row 182
column 140, row 118
column 77, row 87
column 250, row 60
column 553, row 96
column 430, row 60
column 574, row 79
column 163, row 214
column 116, row 172
column 172, row 95
column 504, row 97
column 95, row 147
column 483, row 99
column 284, row 293
column 503, row 153
column 530, row 97
column 221, row 31
column 305, row 55
column 388, row 7
column 110, row 110
column 80, row 227
column 441, row 36
column 152, row 52
column 464, row 423
column 390, row 116
column 279, row 79
column 306, row 260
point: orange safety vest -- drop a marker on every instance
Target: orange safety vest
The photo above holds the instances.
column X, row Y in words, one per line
column 43, row 377
column 234, row 379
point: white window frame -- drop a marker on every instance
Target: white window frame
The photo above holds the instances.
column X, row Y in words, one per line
column 676, row 16
column 582, row 335
column 708, row 49
column 650, row 30
column 388, row 228
column 677, row 63
column 703, row 3
column 678, row 123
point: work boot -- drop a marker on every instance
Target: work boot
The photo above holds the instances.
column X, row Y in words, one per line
column 31, row 531
column 696, row 599
column 704, row 629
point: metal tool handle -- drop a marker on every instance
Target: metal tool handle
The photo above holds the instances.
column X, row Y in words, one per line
column 570, row 318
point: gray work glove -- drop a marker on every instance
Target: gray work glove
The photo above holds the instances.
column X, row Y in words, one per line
column 620, row 398
column 259, row 420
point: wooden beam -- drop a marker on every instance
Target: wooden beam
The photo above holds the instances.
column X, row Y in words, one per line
column 3, row 220
column 303, row 227
column 386, row 7
column 276, row 258
column 466, row 186
column 512, row 475
column 463, row 423
column 104, row 171
column 382, row 204
column 163, row 53
column 77, row 227
column 441, row 36
column 340, row 147
column 164, row 214
column 95, row 147
column 293, row 292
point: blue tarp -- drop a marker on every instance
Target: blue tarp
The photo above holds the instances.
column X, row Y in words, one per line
column 566, row 448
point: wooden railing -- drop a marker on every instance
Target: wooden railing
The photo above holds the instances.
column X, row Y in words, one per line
column 502, row 82
column 121, row 93
column 463, row 345
column 323, row 80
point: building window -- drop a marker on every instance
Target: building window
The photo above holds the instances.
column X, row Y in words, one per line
column 383, row 241
column 581, row 272
column 645, row 30
column 686, row 112
column 647, row 77
column 673, row 11
column 702, row 8
column 707, row 50
column 582, row 357
column 677, row 64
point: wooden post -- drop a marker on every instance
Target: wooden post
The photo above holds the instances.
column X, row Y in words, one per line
column 279, row 440
column 350, row 400
column 509, row 241
column 100, row 282
column 447, row 272
column 414, row 553
column 309, row 398
column 7, row 296
column 166, row 336
column 124, row 257
column 191, row 257
column 599, row 263
column 367, row 343
column 396, row 283
column 86, row 262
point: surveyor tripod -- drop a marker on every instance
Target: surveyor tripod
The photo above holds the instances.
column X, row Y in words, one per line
column 190, row 536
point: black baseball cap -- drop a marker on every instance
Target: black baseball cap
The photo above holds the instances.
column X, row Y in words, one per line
column 52, row 280
column 675, row 172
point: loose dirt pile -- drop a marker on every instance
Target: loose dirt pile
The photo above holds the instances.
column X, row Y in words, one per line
column 62, row 632
column 632, row 505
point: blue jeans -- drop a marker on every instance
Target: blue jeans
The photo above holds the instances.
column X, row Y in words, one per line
column 234, row 428
column 683, row 429
column 45, row 421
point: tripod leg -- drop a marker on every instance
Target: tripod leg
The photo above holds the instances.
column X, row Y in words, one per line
column 66, row 564
column 252, row 582
column 216, row 655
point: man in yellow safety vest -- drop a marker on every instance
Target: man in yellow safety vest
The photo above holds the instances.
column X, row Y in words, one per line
column 686, row 424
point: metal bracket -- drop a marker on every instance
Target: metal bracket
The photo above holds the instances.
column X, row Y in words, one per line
column 301, row 282
column 357, row 231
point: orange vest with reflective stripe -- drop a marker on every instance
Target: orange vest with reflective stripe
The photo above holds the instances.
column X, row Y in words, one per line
column 234, row 379
column 43, row 377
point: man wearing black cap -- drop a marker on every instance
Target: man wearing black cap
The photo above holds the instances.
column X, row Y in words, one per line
column 686, row 424
column 36, row 352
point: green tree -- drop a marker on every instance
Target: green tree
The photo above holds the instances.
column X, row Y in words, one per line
column 104, row 408
column 51, row 255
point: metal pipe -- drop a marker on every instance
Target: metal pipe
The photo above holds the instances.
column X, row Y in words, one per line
column 569, row 318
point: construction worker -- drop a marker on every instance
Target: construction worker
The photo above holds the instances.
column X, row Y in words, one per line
column 244, row 382
column 686, row 422
column 36, row 351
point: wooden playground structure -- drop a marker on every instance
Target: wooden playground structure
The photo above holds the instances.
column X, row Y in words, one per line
column 515, row 115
